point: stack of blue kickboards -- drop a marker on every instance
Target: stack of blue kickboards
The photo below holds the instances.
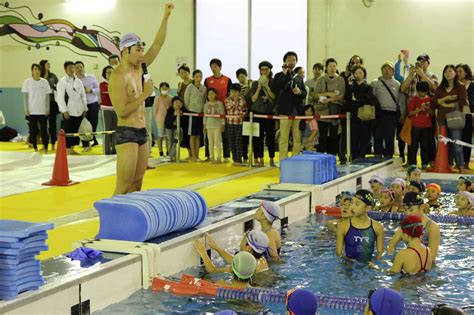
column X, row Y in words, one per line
column 308, row 168
column 20, row 242
column 144, row 215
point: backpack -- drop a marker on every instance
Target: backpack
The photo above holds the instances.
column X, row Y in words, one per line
column 7, row 133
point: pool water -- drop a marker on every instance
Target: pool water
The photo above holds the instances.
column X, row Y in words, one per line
column 309, row 261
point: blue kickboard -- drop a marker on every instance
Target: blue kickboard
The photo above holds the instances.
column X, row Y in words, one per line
column 21, row 229
column 22, row 242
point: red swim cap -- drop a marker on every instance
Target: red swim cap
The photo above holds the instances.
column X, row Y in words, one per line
column 412, row 226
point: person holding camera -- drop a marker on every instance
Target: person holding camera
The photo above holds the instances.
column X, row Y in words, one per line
column 291, row 93
column 263, row 102
column 419, row 72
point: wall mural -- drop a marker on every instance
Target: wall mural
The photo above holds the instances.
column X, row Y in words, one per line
column 55, row 33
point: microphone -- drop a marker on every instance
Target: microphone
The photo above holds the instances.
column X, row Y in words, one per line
column 146, row 76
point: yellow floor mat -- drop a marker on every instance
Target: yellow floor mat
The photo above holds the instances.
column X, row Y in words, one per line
column 61, row 239
column 47, row 204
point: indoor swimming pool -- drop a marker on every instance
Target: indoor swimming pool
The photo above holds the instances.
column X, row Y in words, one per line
column 309, row 261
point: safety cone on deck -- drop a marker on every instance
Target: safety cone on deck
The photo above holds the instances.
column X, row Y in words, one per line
column 442, row 160
column 60, row 171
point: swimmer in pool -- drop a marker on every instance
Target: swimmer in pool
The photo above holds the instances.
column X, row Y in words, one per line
column 267, row 213
column 413, row 173
column 384, row 301
column 464, row 204
column 255, row 242
column 343, row 200
column 359, row 235
column 433, row 191
column 243, row 269
column 301, row 302
column 376, row 184
column 387, row 199
column 416, row 186
column 465, row 183
column 415, row 205
column 416, row 258
column 398, row 185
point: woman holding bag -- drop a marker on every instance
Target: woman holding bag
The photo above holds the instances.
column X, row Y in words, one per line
column 361, row 102
column 329, row 91
column 450, row 99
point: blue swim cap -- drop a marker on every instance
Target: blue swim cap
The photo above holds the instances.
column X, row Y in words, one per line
column 386, row 301
column 302, row 302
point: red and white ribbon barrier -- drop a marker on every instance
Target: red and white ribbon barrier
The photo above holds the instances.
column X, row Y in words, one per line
column 341, row 116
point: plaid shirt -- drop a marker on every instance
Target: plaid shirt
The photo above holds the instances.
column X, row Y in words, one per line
column 235, row 108
column 416, row 79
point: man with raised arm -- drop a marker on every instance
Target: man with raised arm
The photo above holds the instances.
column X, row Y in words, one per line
column 128, row 90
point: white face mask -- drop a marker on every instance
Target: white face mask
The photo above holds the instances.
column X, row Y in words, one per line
column 164, row 92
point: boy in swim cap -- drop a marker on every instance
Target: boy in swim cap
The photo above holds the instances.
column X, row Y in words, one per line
column 415, row 205
column 343, row 200
column 416, row 186
column 266, row 214
column 376, row 184
column 433, row 191
column 464, row 183
column 413, row 173
column 464, row 204
column 359, row 235
column 254, row 242
column 398, row 186
column 301, row 302
column 384, row 301
column 443, row 309
column 387, row 199
column 416, row 258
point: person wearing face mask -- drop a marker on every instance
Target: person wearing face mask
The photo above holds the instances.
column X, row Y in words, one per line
column 291, row 91
column 160, row 107
column 415, row 205
column 451, row 96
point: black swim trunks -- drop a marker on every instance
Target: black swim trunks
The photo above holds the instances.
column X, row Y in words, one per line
column 125, row 134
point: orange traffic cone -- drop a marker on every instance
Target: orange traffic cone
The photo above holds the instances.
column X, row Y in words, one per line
column 60, row 171
column 442, row 160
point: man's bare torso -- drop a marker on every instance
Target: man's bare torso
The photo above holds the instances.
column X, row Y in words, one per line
column 133, row 79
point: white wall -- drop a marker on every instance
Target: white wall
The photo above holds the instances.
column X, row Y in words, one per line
column 139, row 16
column 342, row 28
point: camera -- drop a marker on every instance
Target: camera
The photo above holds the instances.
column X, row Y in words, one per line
column 418, row 64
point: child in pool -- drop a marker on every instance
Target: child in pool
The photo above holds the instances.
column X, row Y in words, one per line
column 415, row 205
column 266, row 215
column 243, row 270
column 255, row 242
column 343, row 200
column 464, row 204
column 417, row 186
column 399, row 187
column 301, row 302
column 416, row 258
column 465, row 184
column 433, row 191
column 376, row 184
column 384, row 301
column 387, row 199
column 413, row 173
column 359, row 235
